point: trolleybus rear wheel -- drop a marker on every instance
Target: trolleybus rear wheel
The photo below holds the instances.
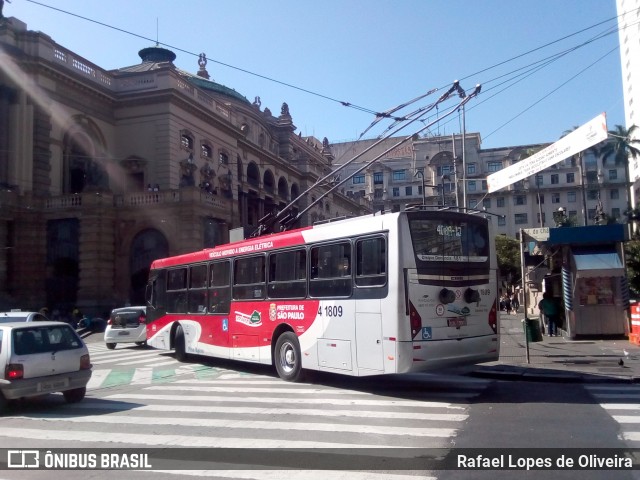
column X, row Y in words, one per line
column 287, row 357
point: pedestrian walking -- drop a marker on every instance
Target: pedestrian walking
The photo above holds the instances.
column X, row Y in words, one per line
column 548, row 306
column 515, row 303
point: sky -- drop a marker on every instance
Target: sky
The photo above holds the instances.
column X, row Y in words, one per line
column 545, row 66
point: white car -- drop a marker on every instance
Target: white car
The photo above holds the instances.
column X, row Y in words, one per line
column 126, row 325
column 37, row 358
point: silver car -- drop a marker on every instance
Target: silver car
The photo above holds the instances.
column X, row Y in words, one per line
column 37, row 358
column 126, row 325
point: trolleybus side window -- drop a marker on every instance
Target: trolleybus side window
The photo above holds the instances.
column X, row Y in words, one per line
column 288, row 274
column 198, row 289
column 249, row 278
column 330, row 270
column 177, row 290
column 220, row 287
column 371, row 262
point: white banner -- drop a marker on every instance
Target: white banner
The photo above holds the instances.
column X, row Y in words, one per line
column 580, row 139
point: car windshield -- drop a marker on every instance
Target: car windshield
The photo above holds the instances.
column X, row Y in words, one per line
column 45, row 339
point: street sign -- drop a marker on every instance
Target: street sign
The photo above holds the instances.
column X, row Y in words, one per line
column 589, row 134
column 538, row 234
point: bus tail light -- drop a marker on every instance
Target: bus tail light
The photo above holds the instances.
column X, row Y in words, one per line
column 142, row 319
column 493, row 318
column 414, row 320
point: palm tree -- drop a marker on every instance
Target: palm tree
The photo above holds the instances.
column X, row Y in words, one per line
column 620, row 149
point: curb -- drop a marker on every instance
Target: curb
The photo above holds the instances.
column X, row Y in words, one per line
column 550, row 376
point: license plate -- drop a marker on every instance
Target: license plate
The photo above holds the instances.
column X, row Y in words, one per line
column 53, row 385
column 124, row 332
column 457, row 322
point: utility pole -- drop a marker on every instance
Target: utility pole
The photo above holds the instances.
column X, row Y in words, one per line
column 584, row 193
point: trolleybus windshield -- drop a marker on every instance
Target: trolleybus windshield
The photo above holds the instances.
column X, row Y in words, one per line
column 450, row 239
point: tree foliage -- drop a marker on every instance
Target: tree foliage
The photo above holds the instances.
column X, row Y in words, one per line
column 508, row 253
column 632, row 257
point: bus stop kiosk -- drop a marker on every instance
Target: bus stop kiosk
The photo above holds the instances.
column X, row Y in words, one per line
column 595, row 290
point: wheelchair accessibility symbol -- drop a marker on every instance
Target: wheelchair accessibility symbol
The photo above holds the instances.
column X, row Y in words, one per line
column 426, row 333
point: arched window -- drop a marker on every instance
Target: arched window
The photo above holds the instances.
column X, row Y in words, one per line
column 206, row 151
column 186, row 141
column 224, row 158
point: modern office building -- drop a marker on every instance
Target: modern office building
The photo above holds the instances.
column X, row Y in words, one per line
column 629, row 33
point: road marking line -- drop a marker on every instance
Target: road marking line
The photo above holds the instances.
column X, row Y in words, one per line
column 244, row 424
column 279, row 400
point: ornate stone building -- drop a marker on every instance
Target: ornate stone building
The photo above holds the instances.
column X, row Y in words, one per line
column 103, row 171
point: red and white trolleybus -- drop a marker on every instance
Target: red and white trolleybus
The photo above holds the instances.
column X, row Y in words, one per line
column 380, row 294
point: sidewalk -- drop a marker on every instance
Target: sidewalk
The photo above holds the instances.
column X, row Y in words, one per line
column 561, row 359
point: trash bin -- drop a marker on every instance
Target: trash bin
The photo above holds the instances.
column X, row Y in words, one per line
column 532, row 330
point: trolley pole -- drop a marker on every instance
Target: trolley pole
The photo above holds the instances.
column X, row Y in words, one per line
column 524, row 294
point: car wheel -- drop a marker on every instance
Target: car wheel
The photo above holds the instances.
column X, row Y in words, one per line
column 141, row 344
column 111, row 346
column 179, row 344
column 287, row 357
column 75, row 395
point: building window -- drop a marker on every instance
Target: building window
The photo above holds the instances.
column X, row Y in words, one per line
column 205, row 151
column 419, row 189
column 520, row 218
column 471, row 186
column 571, row 197
column 396, row 191
column 502, row 221
column 613, row 174
column 592, row 213
column 614, row 194
column 408, row 191
column 494, row 166
column 186, row 141
column 486, row 203
column 399, row 175
column 592, row 194
column 377, row 178
column 500, row 202
column 473, row 203
column 444, row 170
column 377, row 193
column 573, row 214
column 539, row 198
column 571, row 177
column 520, row 200
column 555, row 198
column 224, row 158
column 471, row 169
column 484, row 184
column 357, row 179
column 555, row 179
column 539, row 179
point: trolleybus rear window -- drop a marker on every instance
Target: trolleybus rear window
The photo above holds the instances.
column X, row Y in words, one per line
column 451, row 240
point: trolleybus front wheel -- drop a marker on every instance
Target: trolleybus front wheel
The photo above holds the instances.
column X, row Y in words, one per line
column 181, row 351
column 287, row 357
